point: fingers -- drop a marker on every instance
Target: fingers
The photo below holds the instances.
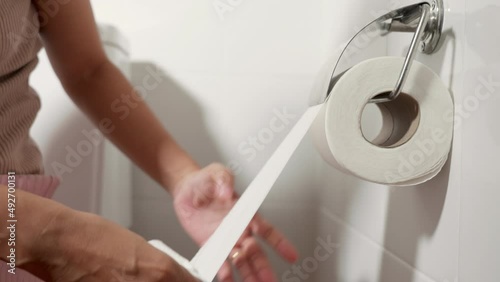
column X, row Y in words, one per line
column 205, row 192
column 223, row 179
column 225, row 273
column 212, row 183
column 274, row 238
column 252, row 262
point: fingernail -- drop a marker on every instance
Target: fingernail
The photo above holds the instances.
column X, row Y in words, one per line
column 224, row 188
column 290, row 255
column 219, row 180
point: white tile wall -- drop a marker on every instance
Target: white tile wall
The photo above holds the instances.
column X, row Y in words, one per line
column 479, row 223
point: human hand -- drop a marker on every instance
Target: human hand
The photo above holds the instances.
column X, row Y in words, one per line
column 78, row 246
column 203, row 198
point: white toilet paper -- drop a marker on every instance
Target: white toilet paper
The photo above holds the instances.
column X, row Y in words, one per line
column 415, row 139
column 411, row 148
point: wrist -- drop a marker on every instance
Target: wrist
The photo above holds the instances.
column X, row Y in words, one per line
column 175, row 164
column 173, row 178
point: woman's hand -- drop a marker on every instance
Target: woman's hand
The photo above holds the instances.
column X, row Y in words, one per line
column 78, row 246
column 202, row 200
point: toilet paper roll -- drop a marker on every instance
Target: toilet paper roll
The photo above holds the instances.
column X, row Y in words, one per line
column 415, row 139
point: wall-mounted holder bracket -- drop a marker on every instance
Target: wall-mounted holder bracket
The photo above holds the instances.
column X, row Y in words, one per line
column 424, row 19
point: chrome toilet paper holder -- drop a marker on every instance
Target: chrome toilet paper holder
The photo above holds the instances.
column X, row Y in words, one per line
column 424, row 19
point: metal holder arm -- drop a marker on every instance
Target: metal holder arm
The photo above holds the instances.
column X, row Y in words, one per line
column 412, row 51
column 424, row 19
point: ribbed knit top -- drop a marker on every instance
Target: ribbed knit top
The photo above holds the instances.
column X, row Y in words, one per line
column 19, row 104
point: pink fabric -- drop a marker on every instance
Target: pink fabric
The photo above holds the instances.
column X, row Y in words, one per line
column 43, row 186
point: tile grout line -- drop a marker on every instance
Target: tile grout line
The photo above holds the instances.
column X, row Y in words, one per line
column 342, row 222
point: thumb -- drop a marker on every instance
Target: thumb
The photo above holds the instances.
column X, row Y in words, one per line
column 214, row 182
column 224, row 181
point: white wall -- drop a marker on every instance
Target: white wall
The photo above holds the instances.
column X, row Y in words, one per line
column 223, row 78
column 479, row 208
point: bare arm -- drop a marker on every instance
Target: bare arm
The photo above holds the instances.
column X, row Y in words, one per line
column 94, row 84
column 56, row 243
column 25, row 230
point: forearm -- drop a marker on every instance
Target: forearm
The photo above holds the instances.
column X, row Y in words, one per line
column 135, row 130
column 32, row 214
column 57, row 243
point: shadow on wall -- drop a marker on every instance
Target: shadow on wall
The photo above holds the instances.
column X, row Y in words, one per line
column 79, row 179
column 435, row 60
column 179, row 112
column 414, row 212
